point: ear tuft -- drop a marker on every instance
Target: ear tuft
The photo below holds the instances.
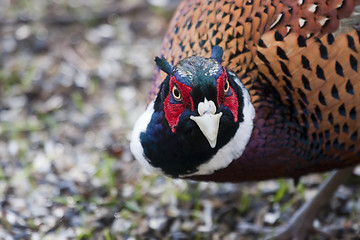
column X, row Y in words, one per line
column 163, row 65
column 217, row 53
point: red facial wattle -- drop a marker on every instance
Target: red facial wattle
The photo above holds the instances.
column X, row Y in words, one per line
column 174, row 108
column 228, row 98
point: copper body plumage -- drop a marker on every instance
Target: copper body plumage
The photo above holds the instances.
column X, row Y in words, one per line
column 299, row 60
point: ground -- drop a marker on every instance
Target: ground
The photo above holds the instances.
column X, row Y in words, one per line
column 74, row 76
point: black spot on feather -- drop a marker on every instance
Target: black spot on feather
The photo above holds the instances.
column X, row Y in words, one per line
column 345, row 128
column 353, row 63
column 352, row 113
column 330, row 39
column 339, row 69
column 322, row 98
column 301, row 41
column 331, row 118
column 303, row 96
column 351, row 43
column 306, row 82
column 320, row 72
column 262, row 44
column 318, row 113
column 285, row 69
column 342, row 110
column 314, row 120
column 262, row 58
column 323, row 52
column 305, row 62
column 349, row 87
column 334, row 92
column 278, row 36
column 227, row 26
column 281, row 53
column 354, row 136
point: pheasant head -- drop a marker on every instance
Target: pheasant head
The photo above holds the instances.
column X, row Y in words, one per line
column 200, row 120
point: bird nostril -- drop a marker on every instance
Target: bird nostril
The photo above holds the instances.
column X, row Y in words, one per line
column 206, row 107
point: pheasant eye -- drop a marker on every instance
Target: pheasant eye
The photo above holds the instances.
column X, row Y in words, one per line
column 226, row 86
column 176, row 93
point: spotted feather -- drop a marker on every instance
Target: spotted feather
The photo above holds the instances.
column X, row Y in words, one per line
column 299, row 61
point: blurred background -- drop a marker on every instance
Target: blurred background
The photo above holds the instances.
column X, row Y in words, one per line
column 74, row 77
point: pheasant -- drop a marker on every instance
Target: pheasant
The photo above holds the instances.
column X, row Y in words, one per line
column 250, row 90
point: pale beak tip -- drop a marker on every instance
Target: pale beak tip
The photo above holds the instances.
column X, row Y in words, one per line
column 212, row 144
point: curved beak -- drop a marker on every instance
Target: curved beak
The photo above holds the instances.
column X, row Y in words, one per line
column 208, row 121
